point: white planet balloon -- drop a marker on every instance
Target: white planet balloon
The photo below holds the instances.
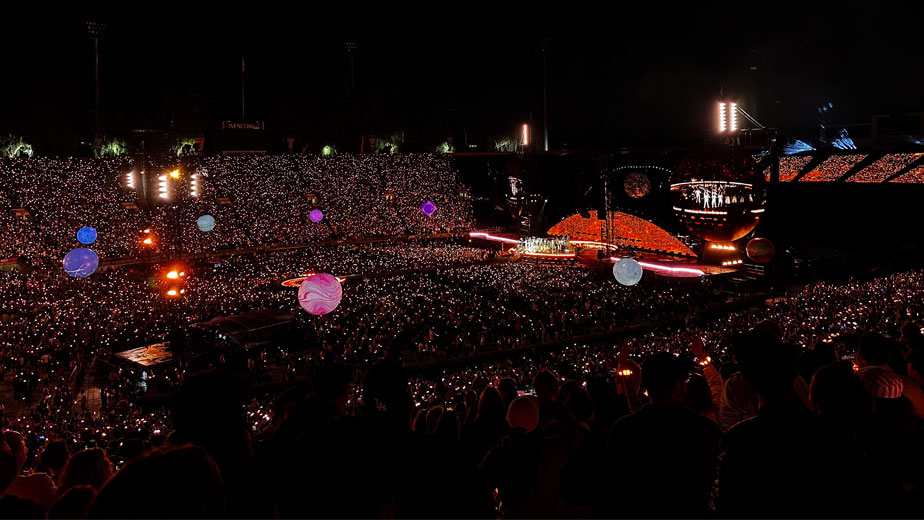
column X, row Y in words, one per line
column 627, row 271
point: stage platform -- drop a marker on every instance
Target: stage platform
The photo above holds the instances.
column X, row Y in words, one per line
column 661, row 264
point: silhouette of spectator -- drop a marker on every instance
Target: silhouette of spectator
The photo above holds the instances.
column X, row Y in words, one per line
column 86, row 468
column 660, row 460
column 176, row 482
column 787, row 460
column 73, row 503
column 877, row 350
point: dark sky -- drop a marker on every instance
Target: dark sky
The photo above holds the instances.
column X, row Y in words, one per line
column 616, row 74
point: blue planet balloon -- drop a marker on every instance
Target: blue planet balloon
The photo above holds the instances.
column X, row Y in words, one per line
column 80, row 262
column 206, row 223
column 86, row 235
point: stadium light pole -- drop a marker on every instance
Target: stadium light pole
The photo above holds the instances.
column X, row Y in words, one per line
column 544, row 46
column 95, row 31
column 351, row 49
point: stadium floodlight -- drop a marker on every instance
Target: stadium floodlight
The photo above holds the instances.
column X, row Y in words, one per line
column 722, row 124
column 524, row 139
column 733, row 117
column 175, row 174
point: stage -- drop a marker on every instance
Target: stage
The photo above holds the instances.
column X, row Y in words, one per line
column 673, row 266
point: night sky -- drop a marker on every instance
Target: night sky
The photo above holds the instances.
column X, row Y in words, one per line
column 645, row 75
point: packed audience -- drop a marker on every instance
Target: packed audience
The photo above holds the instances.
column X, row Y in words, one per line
column 790, row 166
column 449, row 382
column 884, row 167
column 833, row 168
column 808, row 406
column 914, row 175
column 257, row 201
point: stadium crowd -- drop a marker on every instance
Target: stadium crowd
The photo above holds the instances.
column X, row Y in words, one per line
column 790, row 166
column 809, row 405
column 833, row 168
column 914, row 175
column 256, row 201
column 884, row 167
column 712, row 417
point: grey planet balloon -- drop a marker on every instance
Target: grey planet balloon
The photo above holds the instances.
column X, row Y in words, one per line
column 627, row 271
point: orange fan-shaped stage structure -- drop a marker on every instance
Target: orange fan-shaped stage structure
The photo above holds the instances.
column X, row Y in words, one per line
column 631, row 232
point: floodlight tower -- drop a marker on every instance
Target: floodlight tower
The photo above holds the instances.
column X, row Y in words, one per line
column 351, row 48
column 95, row 30
column 544, row 46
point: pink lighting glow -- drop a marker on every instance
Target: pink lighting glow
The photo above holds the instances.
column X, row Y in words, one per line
column 667, row 269
column 478, row 234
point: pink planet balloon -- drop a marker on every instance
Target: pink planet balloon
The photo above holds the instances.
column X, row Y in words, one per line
column 320, row 294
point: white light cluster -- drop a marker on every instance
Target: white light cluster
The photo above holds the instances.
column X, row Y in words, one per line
column 728, row 117
column 733, row 262
column 130, row 180
column 723, row 247
column 194, row 185
column 162, row 186
column 525, row 139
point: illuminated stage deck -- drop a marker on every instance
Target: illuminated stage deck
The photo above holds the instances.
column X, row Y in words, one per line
column 664, row 265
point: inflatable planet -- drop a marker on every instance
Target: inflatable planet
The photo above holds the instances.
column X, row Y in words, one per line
column 627, row 271
column 320, row 294
column 80, row 262
column 760, row 250
column 86, row 235
column 206, row 223
column 636, row 185
column 428, row 208
column 316, row 215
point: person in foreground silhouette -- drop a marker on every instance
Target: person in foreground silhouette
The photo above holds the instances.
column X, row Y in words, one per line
column 787, row 461
column 660, row 460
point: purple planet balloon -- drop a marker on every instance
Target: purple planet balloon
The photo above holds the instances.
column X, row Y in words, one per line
column 316, row 215
column 320, row 294
column 428, row 208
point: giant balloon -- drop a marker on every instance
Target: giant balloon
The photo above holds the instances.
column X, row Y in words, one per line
column 428, row 208
column 760, row 250
column 320, row 294
column 627, row 271
column 718, row 194
column 636, row 185
column 316, row 215
column 86, row 235
column 206, row 223
column 80, row 262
